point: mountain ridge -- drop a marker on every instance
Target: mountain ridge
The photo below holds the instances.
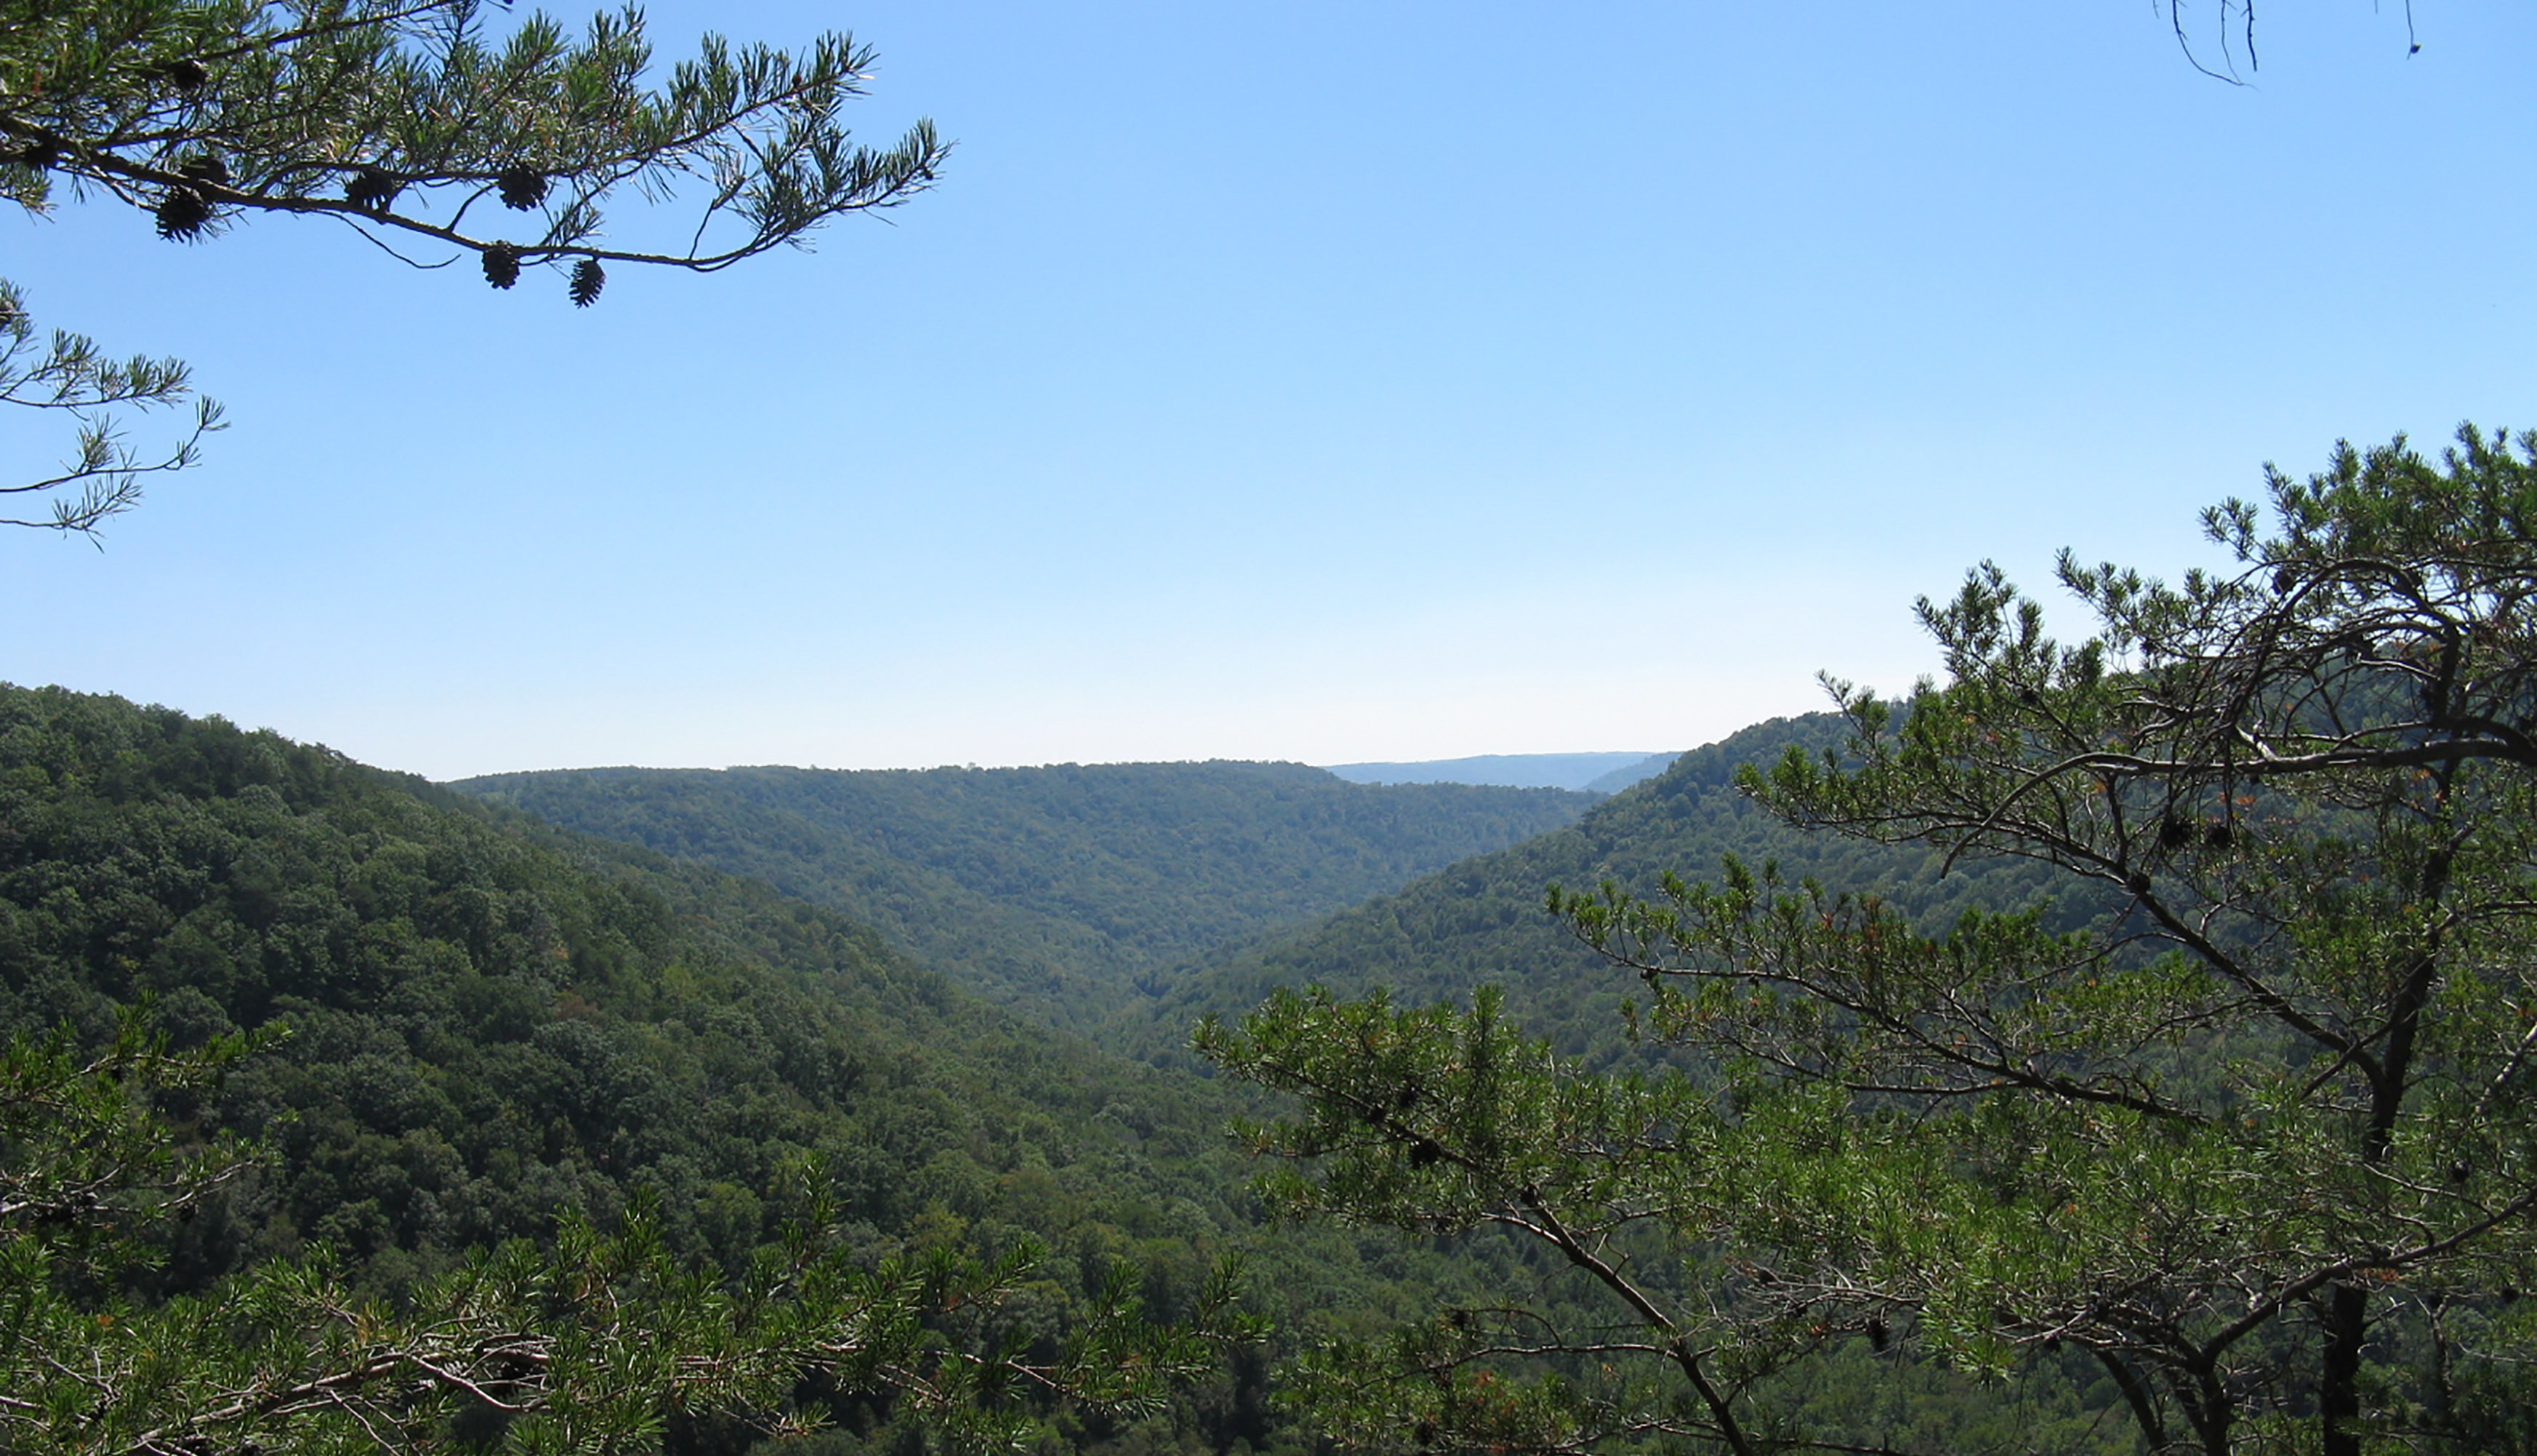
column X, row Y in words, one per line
column 1053, row 890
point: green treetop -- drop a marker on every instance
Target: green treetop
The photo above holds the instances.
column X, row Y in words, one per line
column 591, row 1346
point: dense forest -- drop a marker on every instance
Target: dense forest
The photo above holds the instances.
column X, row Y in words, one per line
column 1053, row 889
column 480, row 1022
column 2119, row 1045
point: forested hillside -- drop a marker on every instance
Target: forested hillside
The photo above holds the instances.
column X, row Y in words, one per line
column 1057, row 891
column 484, row 1021
column 2241, row 1120
column 1481, row 921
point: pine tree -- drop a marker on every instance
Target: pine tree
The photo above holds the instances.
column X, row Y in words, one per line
column 2254, row 1144
column 415, row 124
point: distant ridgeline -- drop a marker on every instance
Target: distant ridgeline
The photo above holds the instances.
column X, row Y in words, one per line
column 1594, row 773
column 1065, row 892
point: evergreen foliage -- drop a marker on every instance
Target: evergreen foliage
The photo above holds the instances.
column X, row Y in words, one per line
column 412, row 123
column 2253, row 1146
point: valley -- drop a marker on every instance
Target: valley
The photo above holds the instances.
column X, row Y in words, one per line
column 964, row 997
column 1444, row 1101
column 1060, row 891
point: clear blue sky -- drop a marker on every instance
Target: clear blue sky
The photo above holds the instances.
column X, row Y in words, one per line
column 1319, row 381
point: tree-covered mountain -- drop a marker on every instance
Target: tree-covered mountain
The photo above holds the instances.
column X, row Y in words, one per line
column 1481, row 921
column 486, row 1021
column 1057, row 891
column 488, row 1018
column 483, row 1022
column 1613, row 780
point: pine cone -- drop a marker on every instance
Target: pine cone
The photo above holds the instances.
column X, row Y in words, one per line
column 588, row 278
column 39, row 155
column 522, row 187
column 183, row 215
column 372, row 190
column 503, row 265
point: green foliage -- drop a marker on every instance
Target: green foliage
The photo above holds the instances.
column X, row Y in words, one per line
column 1437, row 1121
column 87, row 1166
column 591, row 1346
column 408, row 122
column 1060, row 891
column 2310, row 777
column 70, row 377
column 2250, row 1141
column 793, row 1165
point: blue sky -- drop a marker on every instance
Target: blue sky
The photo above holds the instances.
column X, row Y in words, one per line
column 1316, row 381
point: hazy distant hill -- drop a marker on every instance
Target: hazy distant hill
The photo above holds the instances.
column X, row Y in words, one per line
column 1052, row 890
column 1602, row 773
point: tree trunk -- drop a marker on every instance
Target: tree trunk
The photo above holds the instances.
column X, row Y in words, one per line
column 2346, row 1325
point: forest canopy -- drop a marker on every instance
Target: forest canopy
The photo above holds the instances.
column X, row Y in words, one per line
column 305, row 1062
